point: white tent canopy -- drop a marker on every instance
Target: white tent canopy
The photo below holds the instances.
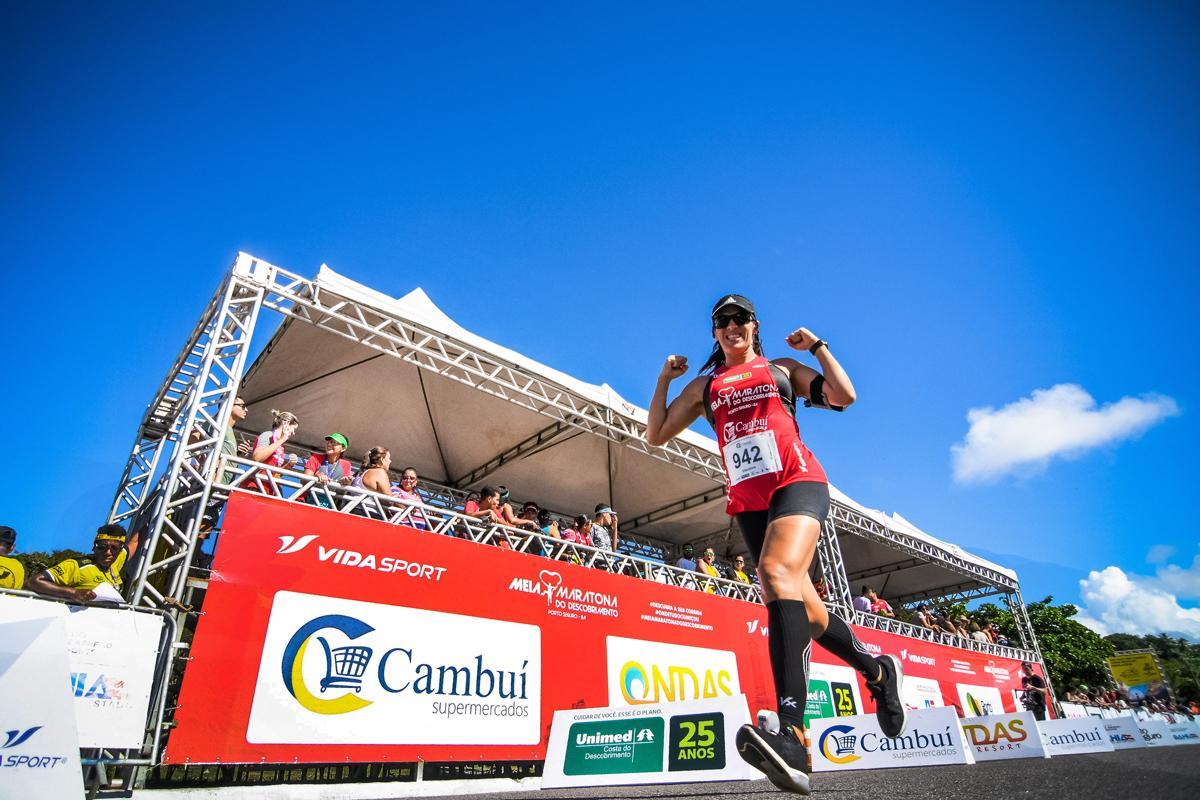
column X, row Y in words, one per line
column 452, row 432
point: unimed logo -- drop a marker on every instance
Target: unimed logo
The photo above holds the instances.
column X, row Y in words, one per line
column 614, row 746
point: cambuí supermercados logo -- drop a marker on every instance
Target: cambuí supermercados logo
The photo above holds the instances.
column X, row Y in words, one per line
column 837, row 744
column 344, row 666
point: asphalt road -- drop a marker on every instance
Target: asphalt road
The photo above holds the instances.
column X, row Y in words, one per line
column 1144, row 774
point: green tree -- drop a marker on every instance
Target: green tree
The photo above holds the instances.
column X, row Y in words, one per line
column 37, row 561
column 1073, row 653
column 1180, row 660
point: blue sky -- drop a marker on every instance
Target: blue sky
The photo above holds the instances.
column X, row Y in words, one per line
column 973, row 205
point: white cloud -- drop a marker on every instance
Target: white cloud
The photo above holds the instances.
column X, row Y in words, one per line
column 1117, row 602
column 1062, row 421
column 1159, row 553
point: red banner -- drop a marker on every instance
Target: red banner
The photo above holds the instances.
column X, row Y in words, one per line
column 327, row 637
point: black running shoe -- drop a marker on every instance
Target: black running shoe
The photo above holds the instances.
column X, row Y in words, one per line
column 781, row 755
column 889, row 710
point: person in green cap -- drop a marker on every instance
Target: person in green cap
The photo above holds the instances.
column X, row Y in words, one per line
column 331, row 466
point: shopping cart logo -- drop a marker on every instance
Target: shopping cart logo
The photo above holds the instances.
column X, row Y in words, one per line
column 345, row 665
column 838, row 744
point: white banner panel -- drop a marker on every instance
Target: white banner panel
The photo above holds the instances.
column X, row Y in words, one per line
column 662, row 743
column 1073, row 710
column 1123, row 732
column 641, row 672
column 1003, row 736
column 1075, row 735
column 932, row 737
column 918, row 693
column 1154, row 732
column 1184, row 733
column 39, row 754
column 832, row 692
column 111, row 654
column 979, row 701
column 337, row 671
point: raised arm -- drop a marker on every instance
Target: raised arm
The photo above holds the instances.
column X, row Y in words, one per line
column 666, row 422
column 835, row 386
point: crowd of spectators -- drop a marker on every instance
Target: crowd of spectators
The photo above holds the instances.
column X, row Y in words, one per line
column 1157, row 701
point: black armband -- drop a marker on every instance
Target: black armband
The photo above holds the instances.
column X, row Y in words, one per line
column 816, row 396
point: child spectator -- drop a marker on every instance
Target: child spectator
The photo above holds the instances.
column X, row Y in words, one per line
column 77, row 579
column 12, row 574
column 268, row 448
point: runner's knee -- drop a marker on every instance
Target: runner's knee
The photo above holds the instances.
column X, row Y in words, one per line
column 781, row 578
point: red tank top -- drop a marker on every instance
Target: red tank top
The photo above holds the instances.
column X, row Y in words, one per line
column 759, row 439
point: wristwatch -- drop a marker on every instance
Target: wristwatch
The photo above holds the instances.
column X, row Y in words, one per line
column 817, row 345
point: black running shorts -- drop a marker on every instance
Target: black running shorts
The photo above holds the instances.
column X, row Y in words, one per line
column 804, row 498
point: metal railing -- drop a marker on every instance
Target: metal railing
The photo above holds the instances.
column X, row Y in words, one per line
column 896, row 626
column 294, row 487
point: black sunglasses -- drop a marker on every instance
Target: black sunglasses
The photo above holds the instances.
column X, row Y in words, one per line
column 739, row 317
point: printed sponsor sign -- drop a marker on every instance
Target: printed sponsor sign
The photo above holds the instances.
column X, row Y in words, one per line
column 39, row 750
column 344, row 671
column 1073, row 710
column 111, row 653
column 1184, row 733
column 270, row 547
column 1074, row 735
column 1004, row 736
column 832, row 692
column 918, row 693
column 1154, row 732
column 661, row 743
column 1134, row 669
column 979, row 701
column 1123, row 732
column 932, row 737
column 645, row 672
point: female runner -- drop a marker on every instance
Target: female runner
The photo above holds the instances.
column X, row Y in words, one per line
column 778, row 493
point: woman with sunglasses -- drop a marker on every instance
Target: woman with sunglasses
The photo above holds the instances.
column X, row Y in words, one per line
column 778, row 493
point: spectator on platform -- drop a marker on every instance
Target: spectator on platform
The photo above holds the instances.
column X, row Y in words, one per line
column 879, row 606
column 605, row 535
column 978, row 635
column 12, row 573
column 687, row 561
column 739, row 570
column 77, row 579
column 1035, row 691
column 527, row 519
column 707, row 566
column 488, row 507
column 331, row 467
column 822, row 588
column 407, row 491
column 374, row 476
column 548, row 525
column 229, row 443
column 863, row 603
column 506, row 509
column 268, row 448
column 578, row 531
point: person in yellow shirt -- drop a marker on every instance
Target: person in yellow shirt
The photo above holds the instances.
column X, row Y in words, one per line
column 12, row 574
column 739, row 570
column 76, row 579
column 707, row 566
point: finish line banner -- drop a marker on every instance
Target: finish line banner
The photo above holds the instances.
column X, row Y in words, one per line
column 329, row 638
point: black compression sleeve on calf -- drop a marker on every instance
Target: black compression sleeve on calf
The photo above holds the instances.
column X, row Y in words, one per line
column 790, row 646
column 841, row 641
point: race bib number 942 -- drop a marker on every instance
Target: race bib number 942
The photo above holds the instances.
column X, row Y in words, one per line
column 751, row 456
